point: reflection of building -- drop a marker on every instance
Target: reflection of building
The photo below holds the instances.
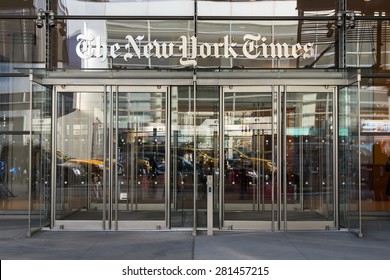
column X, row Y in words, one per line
column 148, row 102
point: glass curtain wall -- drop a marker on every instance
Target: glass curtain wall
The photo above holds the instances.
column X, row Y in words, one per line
column 349, row 200
column 375, row 139
column 366, row 41
column 40, row 167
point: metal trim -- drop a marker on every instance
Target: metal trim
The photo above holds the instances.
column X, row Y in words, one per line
column 221, row 156
column 359, row 158
column 110, row 157
column 259, row 80
column 274, row 97
column 284, row 133
column 53, row 157
column 168, row 153
column 194, row 226
column 335, row 157
column 104, row 183
column 115, row 154
column 30, row 147
column 278, row 157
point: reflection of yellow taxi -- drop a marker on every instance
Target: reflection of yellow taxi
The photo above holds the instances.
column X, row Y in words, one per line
column 144, row 164
column 94, row 165
column 239, row 158
column 268, row 165
column 90, row 164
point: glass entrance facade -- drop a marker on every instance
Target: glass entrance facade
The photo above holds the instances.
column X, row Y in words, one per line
column 146, row 157
column 192, row 114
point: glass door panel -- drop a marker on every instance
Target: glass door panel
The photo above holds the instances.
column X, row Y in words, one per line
column 139, row 165
column 78, row 161
column 207, row 154
column 181, row 161
column 351, row 152
column 194, row 156
column 110, row 149
column 309, row 153
column 249, row 141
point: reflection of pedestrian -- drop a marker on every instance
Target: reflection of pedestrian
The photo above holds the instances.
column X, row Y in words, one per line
column 387, row 168
column 153, row 165
column 243, row 182
column 4, row 190
column 202, row 175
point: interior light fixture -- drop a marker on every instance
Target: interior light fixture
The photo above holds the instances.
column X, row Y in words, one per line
column 42, row 15
column 349, row 15
column 340, row 21
column 39, row 20
column 352, row 21
column 51, row 21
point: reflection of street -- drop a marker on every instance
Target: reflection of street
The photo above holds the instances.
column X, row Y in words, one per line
column 5, row 192
column 13, row 196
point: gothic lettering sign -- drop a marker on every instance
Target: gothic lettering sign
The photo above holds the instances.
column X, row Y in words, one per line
column 189, row 50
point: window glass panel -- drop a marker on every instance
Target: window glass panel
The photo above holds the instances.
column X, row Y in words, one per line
column 126, row 7
column 265, row 44
column 265, row 8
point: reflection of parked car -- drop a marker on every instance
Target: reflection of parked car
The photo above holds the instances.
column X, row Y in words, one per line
column 70, row 174
column 239, row 171
column 262, row 164
column 183, row 166
column 4, row 190
column 92, row 164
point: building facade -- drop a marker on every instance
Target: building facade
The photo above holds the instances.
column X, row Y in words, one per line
column 194, row 115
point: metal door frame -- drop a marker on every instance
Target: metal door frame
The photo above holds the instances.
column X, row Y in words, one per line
column 313, row 225
column 273, row 92
column 279, row 219
column 77, row 79
column 110, row 204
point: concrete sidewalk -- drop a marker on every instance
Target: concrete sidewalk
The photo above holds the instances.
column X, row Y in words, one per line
column 177, row 245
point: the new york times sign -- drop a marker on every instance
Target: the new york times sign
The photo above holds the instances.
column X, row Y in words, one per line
column 254, row 47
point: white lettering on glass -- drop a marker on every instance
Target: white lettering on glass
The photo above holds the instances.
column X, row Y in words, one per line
column 189, row 50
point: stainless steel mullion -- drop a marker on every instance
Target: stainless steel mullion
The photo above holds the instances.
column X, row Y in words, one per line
column 301, row 168
column 335, row 157
column 104, row 179
column 301, row 163
column 285, row 157
column 110, row 160
column 195, row 187
column 260, row 195
column 115, row 163
column 278, row 157
column 30, row 147
column 274, row 99
column 133, row 164
column 168, row 151
column 54, row 157
column 221, row 155
column 360, row 233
